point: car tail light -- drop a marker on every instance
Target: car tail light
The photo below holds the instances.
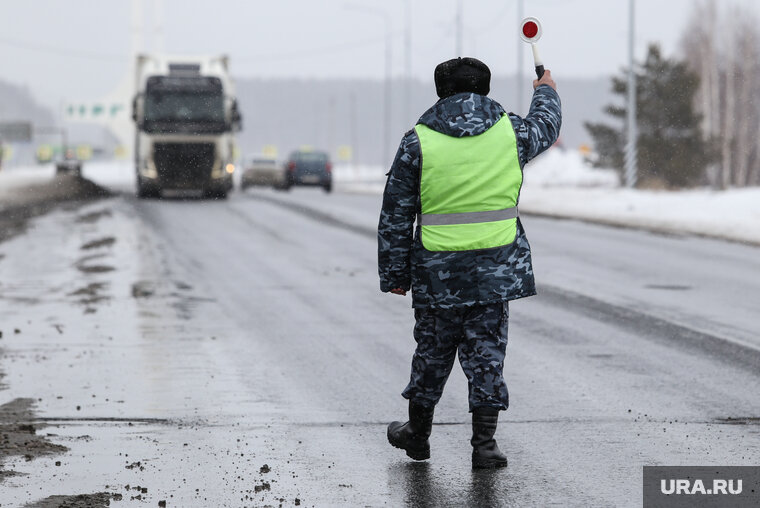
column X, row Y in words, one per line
column 291, row 166
column 328, row 167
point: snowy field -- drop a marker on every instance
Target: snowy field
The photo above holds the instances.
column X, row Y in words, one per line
column 560, row 184
column 557, row 184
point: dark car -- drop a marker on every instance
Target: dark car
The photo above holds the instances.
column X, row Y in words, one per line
column 307, row 167
column 69, row 164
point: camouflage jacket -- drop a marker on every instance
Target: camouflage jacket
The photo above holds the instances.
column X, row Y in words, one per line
column 452, row 279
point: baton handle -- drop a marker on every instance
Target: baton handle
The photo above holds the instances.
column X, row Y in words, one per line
column 538, row 62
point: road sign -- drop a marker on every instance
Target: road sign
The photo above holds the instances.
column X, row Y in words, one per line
column 6, row 153
column 269, row 151
column 44, row 153
column 16, row 131
column 84, row 152
column 93, row 112
column 530, row 32
column 345, row 153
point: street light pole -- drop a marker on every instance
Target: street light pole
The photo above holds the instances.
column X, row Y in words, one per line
column 630, row 149
column 387, row 85
column 460, row 29
column 519, row 73
column 387, row 100
column 408, row 62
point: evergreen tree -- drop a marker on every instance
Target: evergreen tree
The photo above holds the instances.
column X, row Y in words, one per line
column 671, row 150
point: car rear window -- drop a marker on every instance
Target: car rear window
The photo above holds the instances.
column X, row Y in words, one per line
column 311, row 157
column 264, row 161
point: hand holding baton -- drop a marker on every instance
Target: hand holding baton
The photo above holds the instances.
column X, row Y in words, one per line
column 530, row 32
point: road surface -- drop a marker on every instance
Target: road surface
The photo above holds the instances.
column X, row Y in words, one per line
column 239, row 353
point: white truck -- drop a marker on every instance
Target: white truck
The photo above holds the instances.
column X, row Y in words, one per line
column 186, row 115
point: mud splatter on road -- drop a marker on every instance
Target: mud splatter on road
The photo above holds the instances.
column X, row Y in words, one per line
column 18, row 434
column 33, row 201
column 101, row 499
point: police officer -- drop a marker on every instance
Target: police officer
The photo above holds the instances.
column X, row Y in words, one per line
column 458, row 175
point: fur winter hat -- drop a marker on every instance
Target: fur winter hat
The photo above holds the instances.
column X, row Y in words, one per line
column 462, row 75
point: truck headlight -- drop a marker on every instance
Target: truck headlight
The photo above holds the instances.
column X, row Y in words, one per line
column 148, row 169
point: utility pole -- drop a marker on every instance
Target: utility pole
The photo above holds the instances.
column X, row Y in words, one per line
column 520, row 50
column 630, row 149
column 387, row 106
column 354, row 133
column 158, row 25
column 408, row 62
column 387, row 101
column 460, row 28
column 331, row 126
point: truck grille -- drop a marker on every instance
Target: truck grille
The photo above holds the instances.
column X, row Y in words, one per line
column 184, row 165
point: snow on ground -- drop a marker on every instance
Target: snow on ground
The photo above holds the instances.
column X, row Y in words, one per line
column 732, row 215
column 560, row 168
column 560, row 184
column 16, row 178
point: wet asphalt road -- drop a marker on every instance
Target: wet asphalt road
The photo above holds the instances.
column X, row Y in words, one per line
column 239, row 353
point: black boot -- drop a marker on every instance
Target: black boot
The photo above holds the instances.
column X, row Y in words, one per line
column 413, row 435
column 485, row 452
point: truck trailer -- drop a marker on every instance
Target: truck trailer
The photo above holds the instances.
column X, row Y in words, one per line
column 186, row 114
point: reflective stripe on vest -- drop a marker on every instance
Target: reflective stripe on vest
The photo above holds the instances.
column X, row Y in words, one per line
column 447, row 219
column 469, row 188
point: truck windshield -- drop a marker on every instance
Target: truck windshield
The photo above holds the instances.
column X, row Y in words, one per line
column 193, row 104
column 181, row 106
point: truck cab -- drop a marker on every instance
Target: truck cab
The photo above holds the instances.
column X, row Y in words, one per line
column 186, row 116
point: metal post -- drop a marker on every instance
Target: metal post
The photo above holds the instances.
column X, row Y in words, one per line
column 460, row 28
column 354, row 133
column 630, row 149
column 158, row 34
column 387, row 101
column 408, row 62
column 520, row 50
column 331, row 126
column 387, row 106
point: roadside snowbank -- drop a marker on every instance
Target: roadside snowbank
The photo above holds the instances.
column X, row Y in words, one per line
column 12, row 180
column 560, row 184
column 559, row 168
column 732, row 215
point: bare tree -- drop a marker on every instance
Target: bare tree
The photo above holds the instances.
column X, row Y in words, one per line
column 724, row 52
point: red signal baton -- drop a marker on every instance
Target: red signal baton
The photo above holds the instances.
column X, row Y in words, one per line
column 530, row 32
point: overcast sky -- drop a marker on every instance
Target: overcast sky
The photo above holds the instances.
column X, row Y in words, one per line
column 79, row 49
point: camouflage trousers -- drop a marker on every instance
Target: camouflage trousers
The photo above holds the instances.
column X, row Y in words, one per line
column 479, row 335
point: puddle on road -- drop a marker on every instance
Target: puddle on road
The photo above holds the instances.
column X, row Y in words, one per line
column 93, row 217
column 99, row 243
column 668, row 287
column 739, row 420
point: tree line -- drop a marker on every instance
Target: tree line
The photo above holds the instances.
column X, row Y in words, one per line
column 698, row 115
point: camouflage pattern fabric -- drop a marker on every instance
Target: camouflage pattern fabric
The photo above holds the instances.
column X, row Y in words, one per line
column 479, row 335
column 452, row 279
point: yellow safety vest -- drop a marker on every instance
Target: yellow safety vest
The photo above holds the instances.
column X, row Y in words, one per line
column 469, row 188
